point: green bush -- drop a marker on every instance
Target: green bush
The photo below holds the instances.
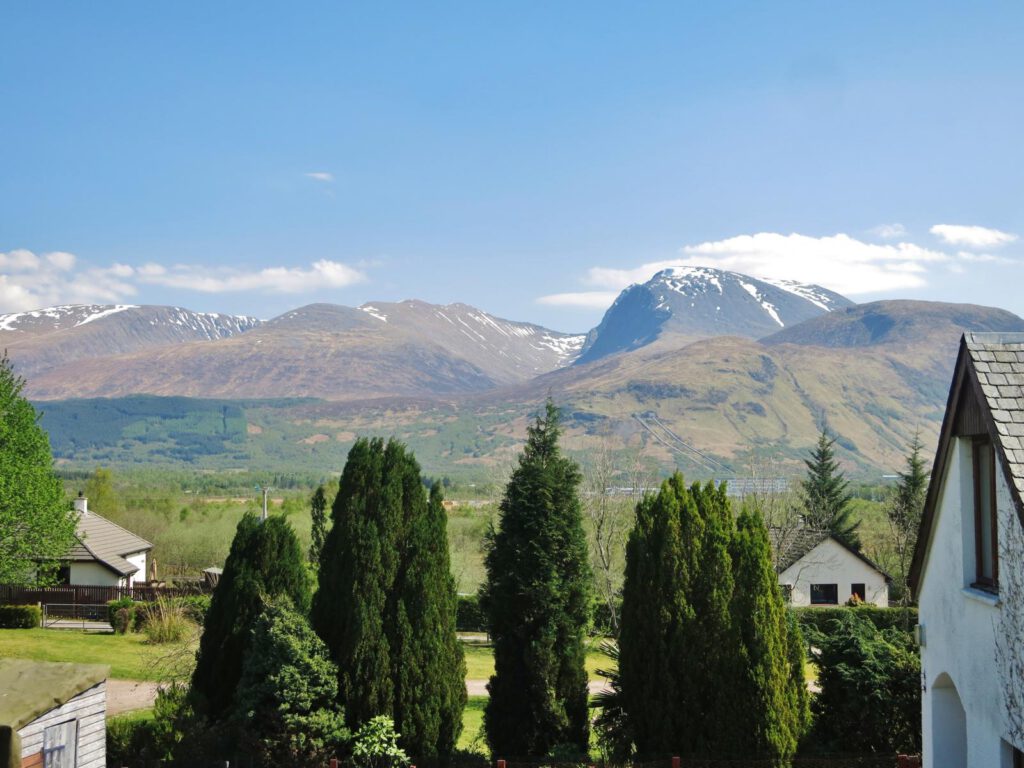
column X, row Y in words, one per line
column 870, row 689
column 376, row 745
column 817, row 622
column 127, row 615
column 468, row 616
column 165, row 621
column 20, row 616
column 121, row 615
column 130, row 739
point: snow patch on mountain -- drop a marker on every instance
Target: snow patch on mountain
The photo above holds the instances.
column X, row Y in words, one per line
column 768, row 306
column 811, row 293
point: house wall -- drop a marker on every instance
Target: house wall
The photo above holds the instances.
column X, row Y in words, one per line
column 963, row 709
column 90, row 709
column 93, row 574
column 831, row 563
column 139, row 561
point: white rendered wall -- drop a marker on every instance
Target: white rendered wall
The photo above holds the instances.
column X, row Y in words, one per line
column 139, row 561
column 959, row 626
column 832, row 563
column 93, row 575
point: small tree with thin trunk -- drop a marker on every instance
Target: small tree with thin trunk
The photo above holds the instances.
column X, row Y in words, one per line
column 903, row 510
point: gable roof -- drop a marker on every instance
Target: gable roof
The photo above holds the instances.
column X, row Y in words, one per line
column 988, row 380
column 97, row 538
column 791, row 546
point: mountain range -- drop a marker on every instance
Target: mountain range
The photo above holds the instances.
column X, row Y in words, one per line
column 706, row 368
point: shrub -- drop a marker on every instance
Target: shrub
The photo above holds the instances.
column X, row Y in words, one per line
column 195, row 606
column 816, row 622
column 870, row 688
column 376, row 745
column 130, row 739
column 166, row 621
column 287, row 711
column 469, row 617
column 126, row 622
column 20, row 616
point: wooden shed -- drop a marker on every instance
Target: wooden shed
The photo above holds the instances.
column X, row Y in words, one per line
column 52, row 714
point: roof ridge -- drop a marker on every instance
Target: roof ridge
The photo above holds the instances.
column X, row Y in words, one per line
column 120, row 527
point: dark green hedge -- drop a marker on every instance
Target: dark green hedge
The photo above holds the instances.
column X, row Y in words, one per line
column 20, row 616
column 820, row 620
column 468, row 616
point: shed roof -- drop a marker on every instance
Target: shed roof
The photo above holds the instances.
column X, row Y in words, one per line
column 29, row 689
column 99, row 539
column 989, row 369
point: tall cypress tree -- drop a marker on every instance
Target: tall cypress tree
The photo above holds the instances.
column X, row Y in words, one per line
column 318, row 533
column 265, row 562
column 386, row 602
column 768, row 708
column 536, row 599
column 826, row 494
column 704, row 660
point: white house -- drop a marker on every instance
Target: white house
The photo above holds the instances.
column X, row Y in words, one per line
column 968, row 568
column 817, row 569
column 52, row 714
column 104, row 553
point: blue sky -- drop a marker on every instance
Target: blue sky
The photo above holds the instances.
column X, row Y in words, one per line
column 528, row 158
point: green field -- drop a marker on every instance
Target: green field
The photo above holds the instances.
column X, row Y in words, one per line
column 130, row 657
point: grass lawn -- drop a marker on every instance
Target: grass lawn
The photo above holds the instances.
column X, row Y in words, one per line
column 480, row 661
column 129, row 657
column 472, row 722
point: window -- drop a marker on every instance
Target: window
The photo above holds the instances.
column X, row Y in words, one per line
column 858, row 591
column 59, row 745
column 824, row 594
column 986, row 552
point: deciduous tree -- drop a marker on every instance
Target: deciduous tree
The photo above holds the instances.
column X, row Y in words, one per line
column 36, row 522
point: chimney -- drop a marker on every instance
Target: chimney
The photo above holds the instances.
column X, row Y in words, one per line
column 82, row 505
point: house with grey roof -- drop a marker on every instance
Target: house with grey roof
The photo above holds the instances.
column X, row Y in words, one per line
column 816, row 569
column 104, row 554
column 968, row 567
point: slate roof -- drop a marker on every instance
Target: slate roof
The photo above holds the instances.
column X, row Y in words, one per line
column 989, row 368
column 998, row 360
column 99, row 539
column 790, row 546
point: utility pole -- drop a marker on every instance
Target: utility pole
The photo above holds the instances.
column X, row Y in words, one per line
column 265, row 489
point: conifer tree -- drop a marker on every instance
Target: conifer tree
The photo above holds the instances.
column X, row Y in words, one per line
column 705, row 665
column 265, row 562
column 386, row 602
column 903, row 510
column 318, row 533
column 826, row 495
column 768, row 708
column 536, row 601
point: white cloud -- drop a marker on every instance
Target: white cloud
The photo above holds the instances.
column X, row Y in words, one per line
column 984, row 258
column 320, row 274
column 971, row 236
column 31, row 281
column 320, row 176
column 586, row 299
column 889, row 231
column 839, row 262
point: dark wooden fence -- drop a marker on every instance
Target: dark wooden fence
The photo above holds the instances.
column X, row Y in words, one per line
column 15, row 594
